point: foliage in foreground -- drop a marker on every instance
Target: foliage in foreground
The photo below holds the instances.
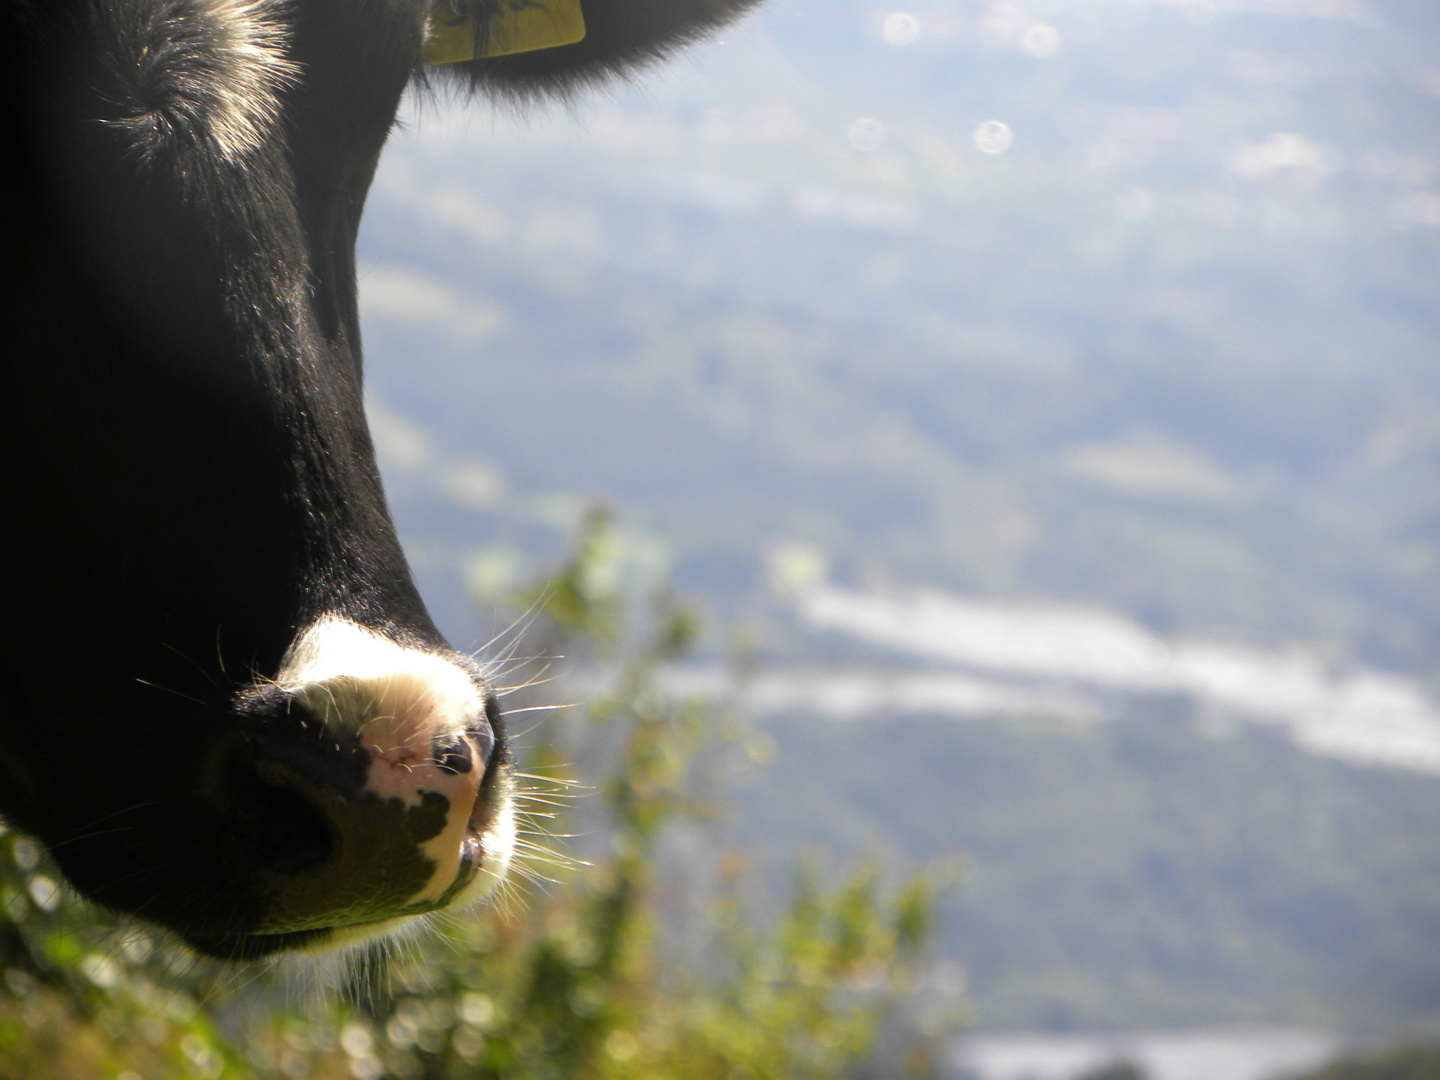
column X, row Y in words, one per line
column 570, row 980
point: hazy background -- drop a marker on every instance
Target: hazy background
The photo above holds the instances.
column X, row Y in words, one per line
column 1046, row 397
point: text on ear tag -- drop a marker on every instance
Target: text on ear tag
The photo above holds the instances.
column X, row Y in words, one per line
column 520, row 26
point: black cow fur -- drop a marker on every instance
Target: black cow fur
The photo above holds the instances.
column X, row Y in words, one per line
column 188, row 479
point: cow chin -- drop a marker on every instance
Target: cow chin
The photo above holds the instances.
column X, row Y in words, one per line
column 372, row 788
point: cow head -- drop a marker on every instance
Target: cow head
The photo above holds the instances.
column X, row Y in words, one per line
column 228, row 712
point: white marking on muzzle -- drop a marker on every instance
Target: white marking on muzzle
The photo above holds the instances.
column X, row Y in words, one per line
column 343, row 671
column 403, row 703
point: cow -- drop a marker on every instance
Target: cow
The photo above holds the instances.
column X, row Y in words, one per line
column 229, row 714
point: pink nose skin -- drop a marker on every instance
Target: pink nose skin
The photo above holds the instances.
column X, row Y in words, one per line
column 405, row 764
column 432, row 825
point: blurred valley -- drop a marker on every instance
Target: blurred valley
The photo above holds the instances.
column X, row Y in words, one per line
column 1043, row 400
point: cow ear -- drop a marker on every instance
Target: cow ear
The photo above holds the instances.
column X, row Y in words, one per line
column 590, row 39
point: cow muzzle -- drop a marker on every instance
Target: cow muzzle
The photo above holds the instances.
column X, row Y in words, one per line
column 377, row 789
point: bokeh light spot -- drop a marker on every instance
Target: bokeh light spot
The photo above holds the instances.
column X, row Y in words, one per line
column 901, row 28
column 993, row 137
column 867, row 134
column 1040, row 41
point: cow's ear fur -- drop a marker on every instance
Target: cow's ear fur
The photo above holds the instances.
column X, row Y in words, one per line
column 619, row 35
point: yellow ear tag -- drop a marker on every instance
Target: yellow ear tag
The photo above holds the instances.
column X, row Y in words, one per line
column 521, row 26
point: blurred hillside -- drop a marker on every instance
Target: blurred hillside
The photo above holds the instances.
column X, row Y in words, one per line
column 1113, row 304
column 1138, row 874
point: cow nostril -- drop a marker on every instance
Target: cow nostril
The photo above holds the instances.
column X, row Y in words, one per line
column 456, row 757
column 292, row 833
